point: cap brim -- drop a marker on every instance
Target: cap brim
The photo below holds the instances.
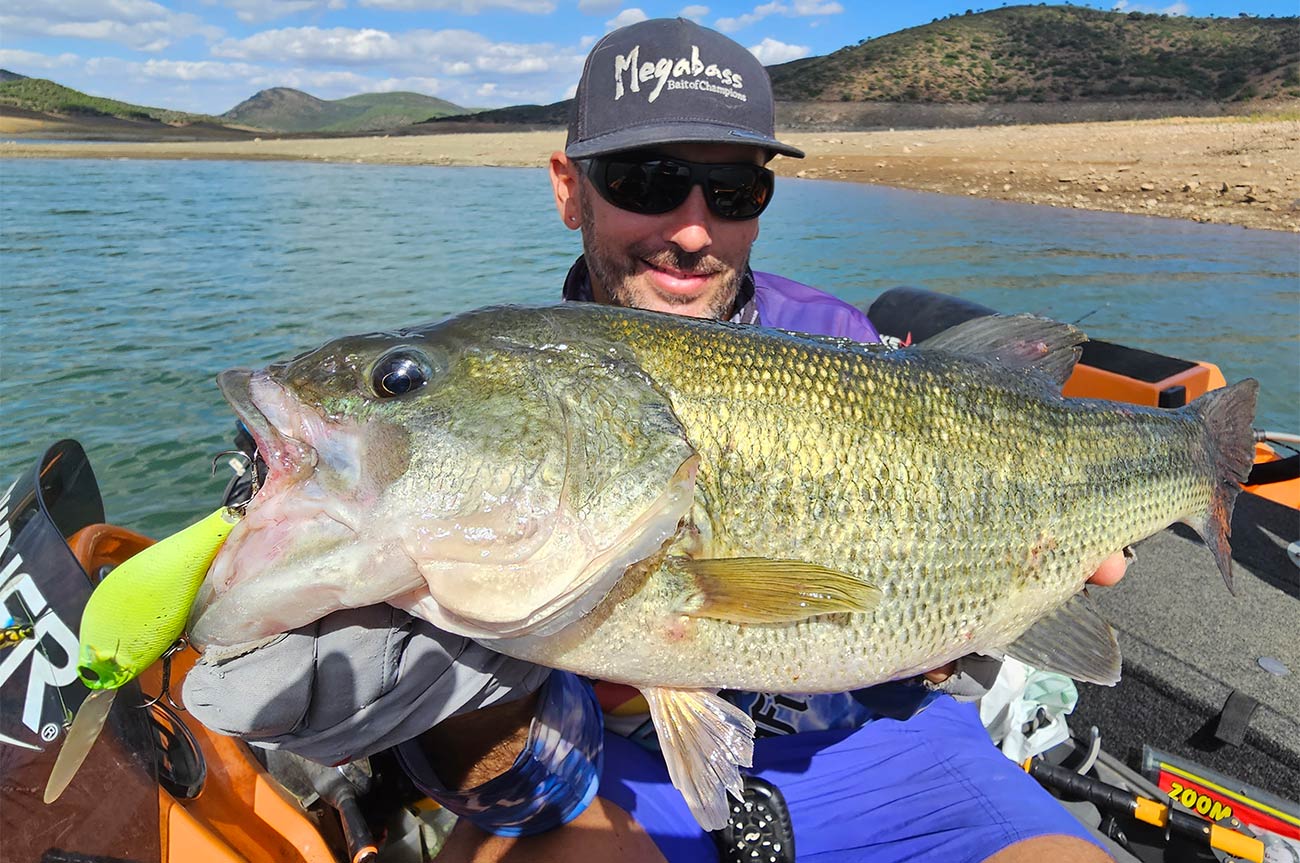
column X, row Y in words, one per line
column 641, row 137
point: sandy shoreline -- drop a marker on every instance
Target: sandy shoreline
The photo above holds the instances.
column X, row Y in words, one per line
column 1227, row 171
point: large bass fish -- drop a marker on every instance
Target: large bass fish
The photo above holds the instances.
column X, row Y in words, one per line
column 687, row 505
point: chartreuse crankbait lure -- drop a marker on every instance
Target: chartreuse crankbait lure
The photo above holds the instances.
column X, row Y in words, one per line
column 133, row 616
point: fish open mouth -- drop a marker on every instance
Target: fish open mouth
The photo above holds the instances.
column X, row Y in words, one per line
column 292, row 557
column 266, row 411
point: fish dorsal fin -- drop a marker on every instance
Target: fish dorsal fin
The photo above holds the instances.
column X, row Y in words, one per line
column 705, row 742
column 1073, row 640
column 762, row 590
column 1017, row 342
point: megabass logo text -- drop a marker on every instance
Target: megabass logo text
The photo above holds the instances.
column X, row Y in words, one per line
column 704, row 76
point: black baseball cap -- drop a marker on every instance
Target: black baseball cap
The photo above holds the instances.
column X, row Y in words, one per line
column 671, row 81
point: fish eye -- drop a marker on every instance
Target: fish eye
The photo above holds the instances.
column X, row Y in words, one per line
column 400, row 372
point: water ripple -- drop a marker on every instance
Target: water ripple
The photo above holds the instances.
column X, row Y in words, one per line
column 128, row 286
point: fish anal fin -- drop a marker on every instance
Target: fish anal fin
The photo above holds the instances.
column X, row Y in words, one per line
column 762, row 590
column 705, row 741
column 1016, row 341
column 1073, row 640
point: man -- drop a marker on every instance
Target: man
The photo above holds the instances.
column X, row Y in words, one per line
column 663, row 174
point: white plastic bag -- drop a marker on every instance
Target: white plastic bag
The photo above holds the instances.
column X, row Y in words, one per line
column 1014, row 702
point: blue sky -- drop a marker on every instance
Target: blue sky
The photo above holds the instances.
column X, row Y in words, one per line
column 208, row 55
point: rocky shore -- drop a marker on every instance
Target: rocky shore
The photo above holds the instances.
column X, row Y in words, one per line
column 1224, row 171
column 1235, row 171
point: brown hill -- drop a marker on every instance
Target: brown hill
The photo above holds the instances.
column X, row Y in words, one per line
column 1057, row 53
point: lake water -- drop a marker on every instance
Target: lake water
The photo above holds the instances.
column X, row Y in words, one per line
column 126, row 286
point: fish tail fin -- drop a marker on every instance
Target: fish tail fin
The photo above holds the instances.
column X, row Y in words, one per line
column 1227, row 415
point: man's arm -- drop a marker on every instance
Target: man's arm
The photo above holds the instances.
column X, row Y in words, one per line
column 353, row 683
column 468, row 750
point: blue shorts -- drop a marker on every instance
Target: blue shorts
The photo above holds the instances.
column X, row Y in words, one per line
column 932, row 787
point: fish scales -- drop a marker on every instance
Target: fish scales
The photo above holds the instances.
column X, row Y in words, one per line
column 687, row 506
column 971, row 495
column 924, row 449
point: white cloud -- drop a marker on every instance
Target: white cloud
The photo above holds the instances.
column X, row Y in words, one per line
column 314, row 45
column 428, row 86
column 257, row 11
column 197, row 70
column 323, row 83
column 598, row 7
column 126, row 11
column 1179, row 8
column 626, row 17
column 800, row 9
column 770, row 52
column 805, row 8
column 469, row 68
column 464, row 7
column 22, row 62
column 139, row 24
column 731, row 25
column 213, row 87
column 454, row 52
column 695, row 13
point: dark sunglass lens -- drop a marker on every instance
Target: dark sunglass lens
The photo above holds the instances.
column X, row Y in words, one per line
column 669, row 186
column 739, row 191
column 654, row 186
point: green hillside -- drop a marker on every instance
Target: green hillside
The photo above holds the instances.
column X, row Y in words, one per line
column 47, row 97
column 282, row 109
column 554, row 114
column 1057, row 53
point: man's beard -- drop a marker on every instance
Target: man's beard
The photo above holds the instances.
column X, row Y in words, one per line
column 616, row 273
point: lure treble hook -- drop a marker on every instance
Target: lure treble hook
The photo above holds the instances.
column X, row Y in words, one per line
column 251, row 467
column 165, row 690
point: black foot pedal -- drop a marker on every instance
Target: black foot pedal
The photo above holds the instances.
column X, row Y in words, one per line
column 760, row 830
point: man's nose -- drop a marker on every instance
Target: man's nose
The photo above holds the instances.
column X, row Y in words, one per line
column 689, row 227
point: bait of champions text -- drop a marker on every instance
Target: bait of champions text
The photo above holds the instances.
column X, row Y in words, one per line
column 709, row 86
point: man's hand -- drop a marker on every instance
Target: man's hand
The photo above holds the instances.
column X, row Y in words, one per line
column 1112, row 569
column 352, row 683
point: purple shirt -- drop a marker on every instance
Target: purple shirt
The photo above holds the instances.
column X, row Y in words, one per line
column 770, row 301
column 790, row 305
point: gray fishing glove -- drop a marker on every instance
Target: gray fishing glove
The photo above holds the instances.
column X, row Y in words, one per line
column 351, row 684
column 971, row 679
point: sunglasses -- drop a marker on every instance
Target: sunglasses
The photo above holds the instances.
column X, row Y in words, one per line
column 654, row 184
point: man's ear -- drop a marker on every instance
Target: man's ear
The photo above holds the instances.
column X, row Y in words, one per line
column 564, row 182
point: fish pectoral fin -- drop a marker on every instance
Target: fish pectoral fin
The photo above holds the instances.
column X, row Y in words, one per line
column 705, row 742
column 1073, row 640
column 1016, row 341
column 762, row 590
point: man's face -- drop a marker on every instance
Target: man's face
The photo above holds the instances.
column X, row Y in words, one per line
column 687, row 261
